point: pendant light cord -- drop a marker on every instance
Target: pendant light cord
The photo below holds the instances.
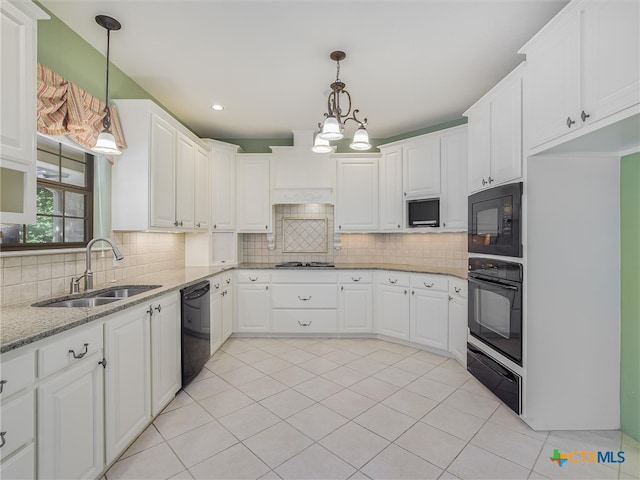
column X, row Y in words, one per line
column 106, row 121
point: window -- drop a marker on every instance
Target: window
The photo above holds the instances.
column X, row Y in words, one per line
column 64, row 203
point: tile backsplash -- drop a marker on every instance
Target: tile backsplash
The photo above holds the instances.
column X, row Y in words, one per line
column 29, row 277
column 438, row 250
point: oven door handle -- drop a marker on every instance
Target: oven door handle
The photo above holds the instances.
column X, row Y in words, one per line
column 498, row 284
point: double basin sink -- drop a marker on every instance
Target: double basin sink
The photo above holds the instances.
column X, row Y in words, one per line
column 97, row 298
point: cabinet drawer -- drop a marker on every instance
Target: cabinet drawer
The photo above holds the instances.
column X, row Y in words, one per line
column 431, row 282
column 21, row 466
column 396, row 279
column 304, row 321
column 304, row 276
column 458, row 288
column 253, row 276
column 17, row 373
column 304, row 296
column 58, row 355
column 17, row 423
column 357, row 276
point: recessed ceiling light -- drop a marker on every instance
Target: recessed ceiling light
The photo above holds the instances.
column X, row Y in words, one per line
column 217, row 107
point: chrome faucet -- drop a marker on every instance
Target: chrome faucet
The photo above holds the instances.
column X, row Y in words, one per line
column 88, row 274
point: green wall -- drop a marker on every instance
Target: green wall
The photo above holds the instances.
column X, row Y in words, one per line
column 68, row 54
column 630, row 295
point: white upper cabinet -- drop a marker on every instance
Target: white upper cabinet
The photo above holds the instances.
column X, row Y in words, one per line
column 254, row 208
column 583, row 66
column 223, row 186
column 18, row 111
column 357, row 193
column 154, row 180
column 421, row 167
column 495, row 134
column 390, row 189
column 453, row 201
column 202, row 190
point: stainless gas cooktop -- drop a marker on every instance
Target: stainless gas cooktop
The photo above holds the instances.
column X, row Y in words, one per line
column 305, row 265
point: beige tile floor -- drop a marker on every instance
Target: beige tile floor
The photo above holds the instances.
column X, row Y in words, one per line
column 350, row 408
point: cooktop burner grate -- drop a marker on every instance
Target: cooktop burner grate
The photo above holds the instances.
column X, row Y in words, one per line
column 305, row 265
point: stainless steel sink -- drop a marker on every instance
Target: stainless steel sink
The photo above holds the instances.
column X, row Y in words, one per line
column 86, row 302
column 97, row 298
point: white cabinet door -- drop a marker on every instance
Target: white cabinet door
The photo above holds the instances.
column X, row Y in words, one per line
column 393, row 311
column 18, row 111
column 71, row 422
column 390, row 192
column 355, row 308
column 453, row 201
column 224, row 247
column 22, row 466
column 127, row 378
column 166, row 377
column 185, row 182
column 458, row 329
column 506, row 132
column 430, row 318
column 223, row 214
column 611, row 73
column 227, row 309
column 254, row 209
column 162, row 178
column 479, row 143
column 216, row 316
column 421, row 167
column 253, row 308
column 553, row 82
column 202, row 189
column 357, row 195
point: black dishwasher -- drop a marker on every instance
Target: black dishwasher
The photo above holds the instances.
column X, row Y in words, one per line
column 196, row 331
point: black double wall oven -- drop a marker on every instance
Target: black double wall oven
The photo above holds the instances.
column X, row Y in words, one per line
column 495, row 291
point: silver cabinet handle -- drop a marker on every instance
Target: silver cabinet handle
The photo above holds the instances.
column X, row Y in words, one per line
column 405, row 292
column 413, row 292
column 215, row 226
column 393, row 282
column 341, row 289
column 103, row 362
column 159, row 308
column 304, row 299
column 216, row 286
column 491, row 180
column 3, row 441
column 457, row 289
column 81, row 354
column 304, row 324
column 429, row 285
column 450, row 298
column 356, row 279
column 584, row 115
column 398, row 225
column 2, row 382
column 176, row 223
column 570, row 122
column 150, row 311
column 228, row 281
column 253, row 279
column 198, row 224
column 267, row 287
column 484, row 182
column 266, row 227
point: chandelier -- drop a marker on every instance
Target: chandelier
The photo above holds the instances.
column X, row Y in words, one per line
column 337, row 116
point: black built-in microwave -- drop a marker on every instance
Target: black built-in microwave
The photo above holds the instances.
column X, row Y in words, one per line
column 423, row 213
column 495, row 221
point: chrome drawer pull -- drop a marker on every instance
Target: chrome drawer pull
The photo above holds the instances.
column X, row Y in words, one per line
column 356, row 279
column 2, row 382
column 159, row 308
column 103, row 362
column 304, row 324
column 393, row 282
column 82, row 354
column 457, row 289
column 304, row 299
column 428, row 286
column 2, row 434
column 253, row 279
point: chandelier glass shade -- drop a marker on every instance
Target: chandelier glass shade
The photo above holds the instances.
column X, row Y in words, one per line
column 106, row 143
column 320, row 145
column 338, row 115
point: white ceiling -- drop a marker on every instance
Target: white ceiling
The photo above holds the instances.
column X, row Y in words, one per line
column 409, row 65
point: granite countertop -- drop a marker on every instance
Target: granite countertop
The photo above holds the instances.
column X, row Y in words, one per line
column 23, row 324
column 455, row 272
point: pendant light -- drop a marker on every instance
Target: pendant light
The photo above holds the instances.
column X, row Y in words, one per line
column 336, row 117
column 321, row 145
column 106, row 143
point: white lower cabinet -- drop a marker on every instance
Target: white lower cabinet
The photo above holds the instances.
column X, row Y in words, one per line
column 21, row 466
column 216, row 315
column 166, row 377
column 355, row 302
column 392, row 305
column 429, row 308
column 458, row 320
column 253, row 301
column 71, row 421
column 127, row 378
column 221, row 309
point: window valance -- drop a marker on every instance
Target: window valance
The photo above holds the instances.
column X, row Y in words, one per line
column 66, row 109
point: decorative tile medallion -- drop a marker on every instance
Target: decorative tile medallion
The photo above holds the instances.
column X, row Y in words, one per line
column 304, row 235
